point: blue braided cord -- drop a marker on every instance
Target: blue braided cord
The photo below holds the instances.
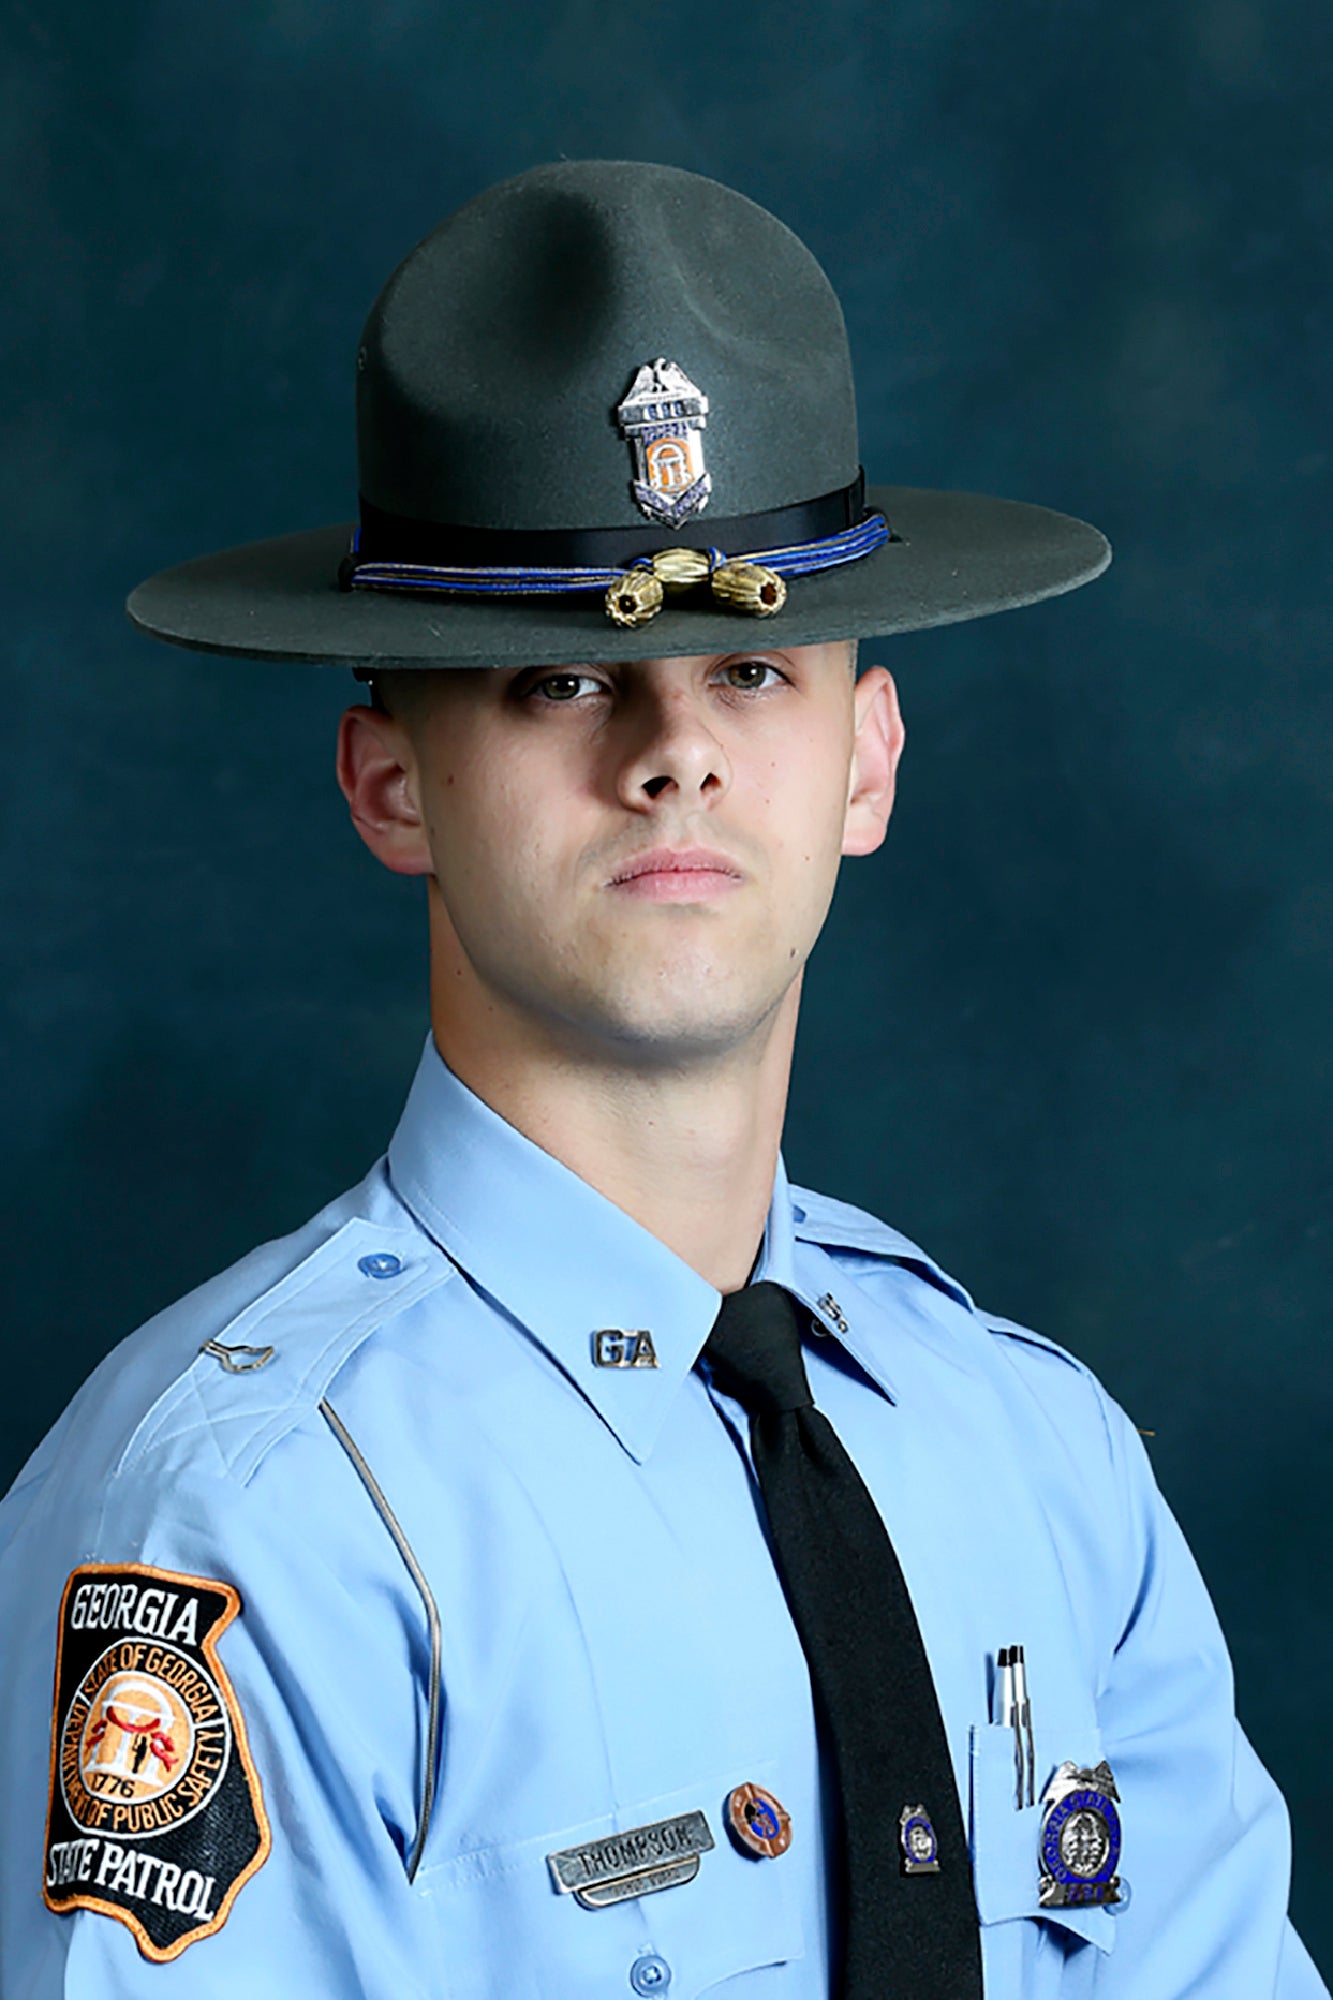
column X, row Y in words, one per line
column 804, row 558
column 800, row 559
column 482, row 582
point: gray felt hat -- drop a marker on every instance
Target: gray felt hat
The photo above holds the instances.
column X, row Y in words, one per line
column 589, row 366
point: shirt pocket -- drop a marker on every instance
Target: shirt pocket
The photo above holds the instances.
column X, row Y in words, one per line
column 1005, row 1837
column 504, row 1932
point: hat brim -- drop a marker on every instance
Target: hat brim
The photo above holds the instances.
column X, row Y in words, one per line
column 953, row 556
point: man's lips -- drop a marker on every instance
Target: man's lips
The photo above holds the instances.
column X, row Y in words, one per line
column 684, row 874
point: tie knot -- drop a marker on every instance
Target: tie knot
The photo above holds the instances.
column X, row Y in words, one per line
column 755, row 1350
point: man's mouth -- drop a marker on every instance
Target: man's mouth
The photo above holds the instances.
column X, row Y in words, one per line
column 679, row 875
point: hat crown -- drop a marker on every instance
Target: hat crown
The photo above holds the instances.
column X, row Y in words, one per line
column 495, row 362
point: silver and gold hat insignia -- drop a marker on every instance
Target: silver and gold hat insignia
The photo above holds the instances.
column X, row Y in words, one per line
column 662, row 417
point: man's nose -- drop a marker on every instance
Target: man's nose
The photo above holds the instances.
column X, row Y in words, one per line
column 672, row 747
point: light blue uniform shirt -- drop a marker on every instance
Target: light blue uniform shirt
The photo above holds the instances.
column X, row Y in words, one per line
column 615, row 1649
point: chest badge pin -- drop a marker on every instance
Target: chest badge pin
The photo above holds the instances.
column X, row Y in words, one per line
column 916, row 1837
column 1079, row 1848
column 621, row 1347
column 758, row 1821
column 662, row 417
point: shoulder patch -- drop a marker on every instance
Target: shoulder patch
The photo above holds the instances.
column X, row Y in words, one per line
column 156, row 1816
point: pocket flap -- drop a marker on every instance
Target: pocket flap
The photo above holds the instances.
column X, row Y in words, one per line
column 501, row 1915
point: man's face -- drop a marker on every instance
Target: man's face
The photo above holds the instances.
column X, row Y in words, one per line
column 636, row 860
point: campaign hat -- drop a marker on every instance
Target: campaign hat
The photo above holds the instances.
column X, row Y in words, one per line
column 586, row 367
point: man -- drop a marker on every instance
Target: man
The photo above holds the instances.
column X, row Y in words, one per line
column 579, row 1561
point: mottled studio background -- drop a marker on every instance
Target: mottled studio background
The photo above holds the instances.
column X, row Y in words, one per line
column 1071, row 1028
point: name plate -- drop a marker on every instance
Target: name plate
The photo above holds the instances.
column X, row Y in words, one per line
column 637, row 1863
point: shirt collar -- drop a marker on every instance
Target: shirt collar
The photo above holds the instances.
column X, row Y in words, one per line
column 558, row 1257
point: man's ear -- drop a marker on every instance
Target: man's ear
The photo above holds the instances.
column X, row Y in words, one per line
column 377, row 774
column 877, row 746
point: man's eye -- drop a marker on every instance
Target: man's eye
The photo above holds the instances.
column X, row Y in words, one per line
column 749, row 674
column 563, row 687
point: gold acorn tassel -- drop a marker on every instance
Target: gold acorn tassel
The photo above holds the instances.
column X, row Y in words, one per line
column 634, row 598
column 679, row 568
column 749, row 587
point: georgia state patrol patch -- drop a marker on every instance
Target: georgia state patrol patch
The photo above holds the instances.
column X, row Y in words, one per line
column 156, row 1815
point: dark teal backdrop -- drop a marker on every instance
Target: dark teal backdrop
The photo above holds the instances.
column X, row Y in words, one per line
column 1071, row 1028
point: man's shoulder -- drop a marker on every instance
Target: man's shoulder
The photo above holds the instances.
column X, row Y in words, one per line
column 215, row 1379
column 861, row 1242
column 1051, row 1400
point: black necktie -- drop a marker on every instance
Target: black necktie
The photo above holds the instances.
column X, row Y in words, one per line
column 906, row 1936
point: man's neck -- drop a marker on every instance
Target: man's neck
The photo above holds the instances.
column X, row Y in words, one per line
column 689, row 1153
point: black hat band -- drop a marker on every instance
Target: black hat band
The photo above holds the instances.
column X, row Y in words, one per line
column 399, row 538
column 623, row 563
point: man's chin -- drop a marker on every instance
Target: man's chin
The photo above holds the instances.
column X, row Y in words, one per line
column 684, row 1026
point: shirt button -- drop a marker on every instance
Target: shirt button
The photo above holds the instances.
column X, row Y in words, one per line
column 383, row 1264
column 650, row 1974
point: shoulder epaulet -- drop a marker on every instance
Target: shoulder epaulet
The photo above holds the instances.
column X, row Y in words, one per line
column 836, row 1225
column 255, row 1378
column 1009, row 1329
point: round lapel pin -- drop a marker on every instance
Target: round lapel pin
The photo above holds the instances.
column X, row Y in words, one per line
column 759, row 1821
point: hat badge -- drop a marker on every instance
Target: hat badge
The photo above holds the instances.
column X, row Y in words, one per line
column 662, row 418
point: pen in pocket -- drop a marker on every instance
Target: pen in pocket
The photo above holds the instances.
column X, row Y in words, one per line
column 1014, row 1707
